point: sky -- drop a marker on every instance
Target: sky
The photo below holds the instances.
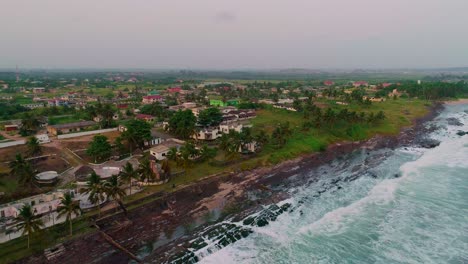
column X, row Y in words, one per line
column 233, row 34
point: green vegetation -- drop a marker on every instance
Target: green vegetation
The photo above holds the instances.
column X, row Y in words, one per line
column 99, row 149
column 182, row 124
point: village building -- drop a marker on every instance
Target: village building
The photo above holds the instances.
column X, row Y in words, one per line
column 38, row 90
column 70, row 127
column 160, row 151
column 11, row 128
column 43, row 138
column 145, row 117
column 149, row 99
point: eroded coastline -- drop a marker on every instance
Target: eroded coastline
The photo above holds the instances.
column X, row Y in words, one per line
column 161, row 229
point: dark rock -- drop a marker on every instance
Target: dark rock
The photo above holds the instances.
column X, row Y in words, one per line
column 454, row 122
column 462, row 133
column 428, row 143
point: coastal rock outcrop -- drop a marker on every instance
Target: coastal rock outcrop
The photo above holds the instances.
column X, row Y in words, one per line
column 454, row 122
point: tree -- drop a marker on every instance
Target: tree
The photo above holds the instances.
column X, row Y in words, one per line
column 22, row 169
column 166, row 168
column 137, row 133
column 34, row 148
column 187, row 153
column 207, row 153
column 128, row 174
column 106, row 112
column 29, row 124
column 100, row 148
column 261, row 137
column 28, row 221
column 95, row 190
column 146, row 171
column 68, row 207
column 281, row 133
column 113, row 190
column 173, row 155
column 210, row 117
column 182, row 124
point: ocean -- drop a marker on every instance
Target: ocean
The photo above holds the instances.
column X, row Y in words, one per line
column 407, row 205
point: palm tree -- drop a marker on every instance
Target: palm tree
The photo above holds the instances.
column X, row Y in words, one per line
column 128, row 174
column 95, row 189
column 33, row 146
column 173, row 155
column 68, row 207
column 166, row 168
column 262, row 137
column 22, row 169
column 145, row 170
column 28, row 221
column 29, row 124
column 112, row 188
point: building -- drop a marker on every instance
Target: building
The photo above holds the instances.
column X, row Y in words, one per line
column 208, row 134
column 360, row 84
column 70, row 127
column 43, row 138
column 217, row 102
column 147, row 118
column 149, row 99
column 10, row 128
column 38, row 90
column 160, row 151
column 174, row 90
column 328, row 83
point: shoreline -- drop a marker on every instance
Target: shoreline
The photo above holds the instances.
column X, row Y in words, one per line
column 457, row 102
column 154, row 222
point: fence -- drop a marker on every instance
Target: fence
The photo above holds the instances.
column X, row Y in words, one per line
column 86, row 133
column 12, row 143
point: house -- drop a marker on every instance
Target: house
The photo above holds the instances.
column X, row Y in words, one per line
column 174, row 90
column 328, row 83
column 373, row 99
column 43, row 138
column 395, row 92
column 385, row 85
column 149, row 99
column 147, row 118
column 217, row 102
column 160, row 151
column 9, row 128
column 208, row 134
column 157, row 138
column 56, row 102
column 38, row 90
column 70, row 127
column 360, row 83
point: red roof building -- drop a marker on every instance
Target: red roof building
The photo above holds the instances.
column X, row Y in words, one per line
column 149, row 99
column 328, row 83
column 147, row 118
column 360, row 83
column 174, row 89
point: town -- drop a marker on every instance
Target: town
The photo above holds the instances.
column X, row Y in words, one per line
column 86, row 146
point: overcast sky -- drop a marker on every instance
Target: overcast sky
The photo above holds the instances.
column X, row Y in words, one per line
column 228, row 34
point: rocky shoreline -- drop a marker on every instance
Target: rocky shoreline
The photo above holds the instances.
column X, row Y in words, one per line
column 159, row 230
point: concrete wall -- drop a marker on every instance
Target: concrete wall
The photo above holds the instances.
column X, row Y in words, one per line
column 86, row 133
column 12, row 143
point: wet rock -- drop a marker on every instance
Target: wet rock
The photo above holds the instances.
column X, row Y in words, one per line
column 428, row 143
column 462, row 133
column 454, row 122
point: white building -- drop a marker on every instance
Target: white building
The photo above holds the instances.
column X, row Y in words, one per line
column 160, row 151
column 43, row 138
